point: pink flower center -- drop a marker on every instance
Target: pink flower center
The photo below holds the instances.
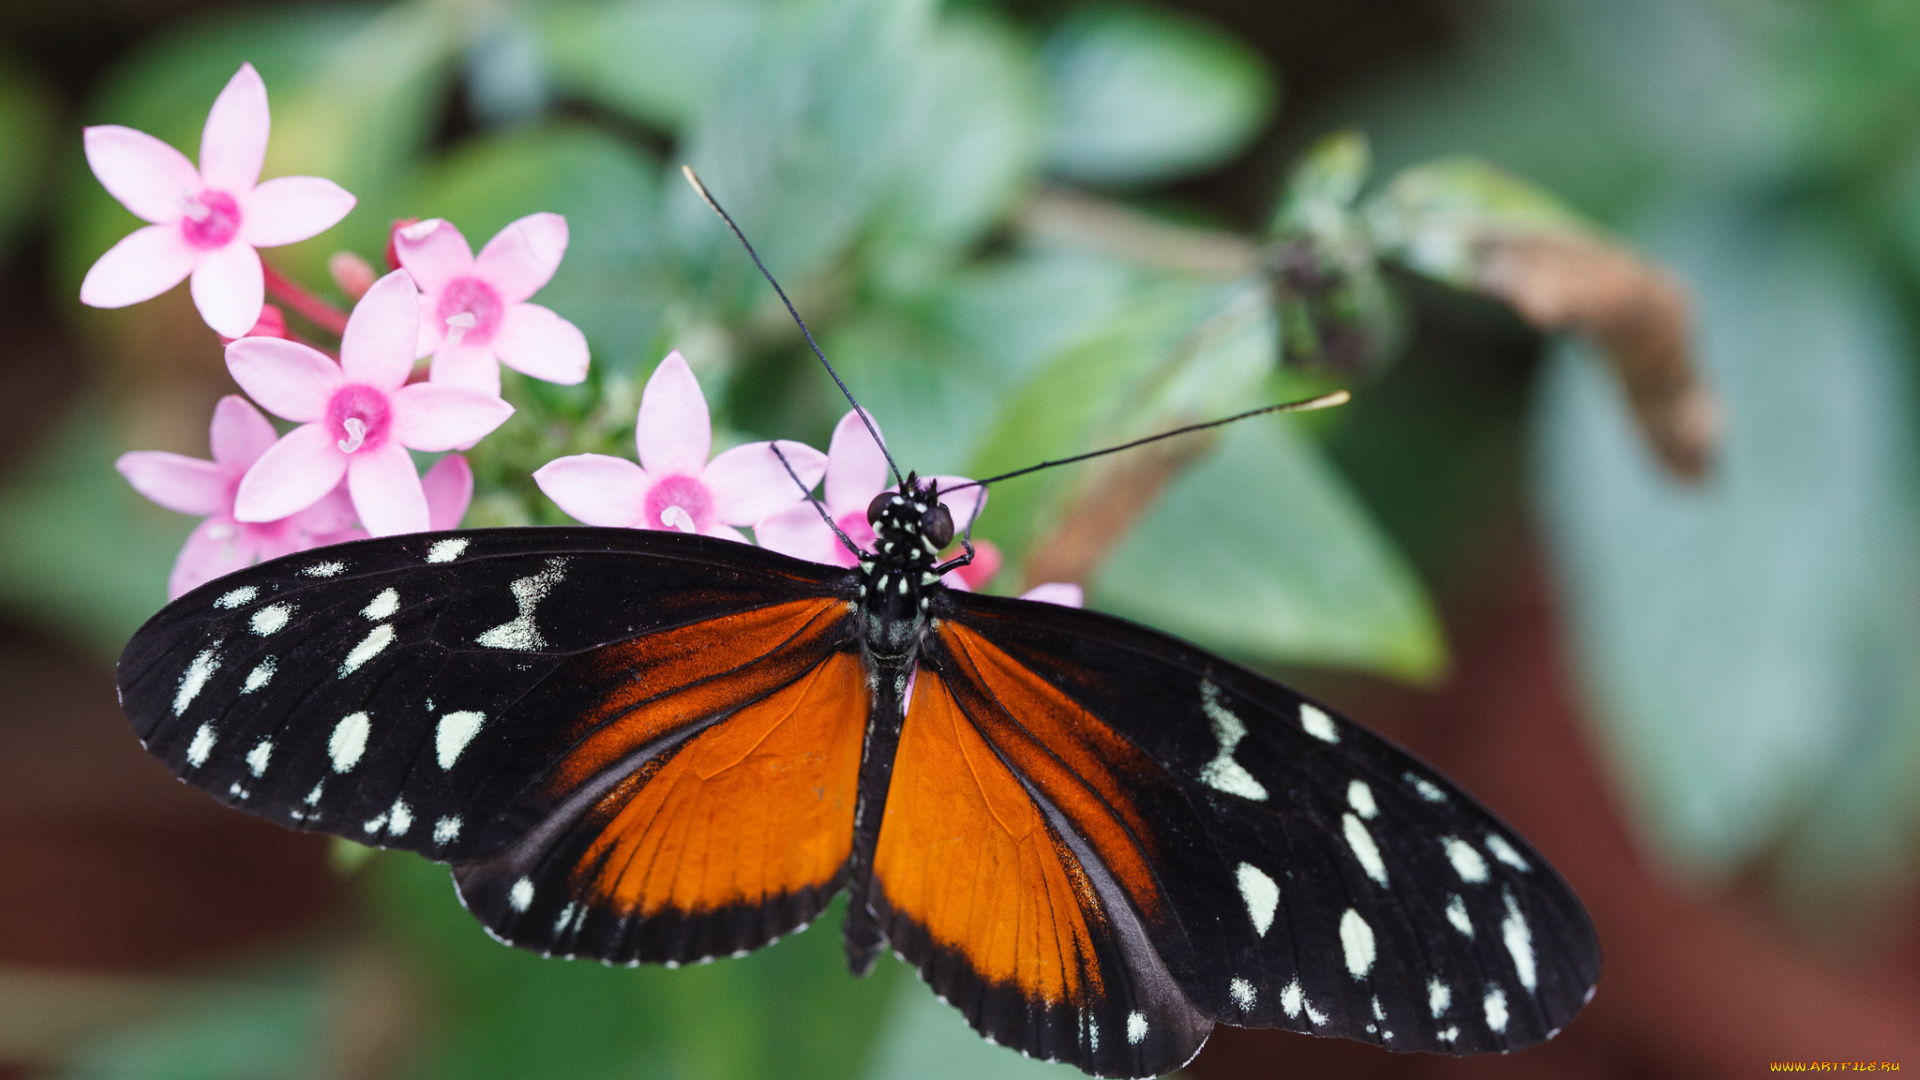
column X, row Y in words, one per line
column 359, row 418
column 211, row 221
column 854, row 523
column 679, row 504
column 472, row 296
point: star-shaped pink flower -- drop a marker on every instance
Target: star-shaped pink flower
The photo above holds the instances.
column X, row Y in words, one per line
column 856, row 472
column 207, row 221
column 221, row 544
column 357, row 418
column 474, row 314
column 675, row 486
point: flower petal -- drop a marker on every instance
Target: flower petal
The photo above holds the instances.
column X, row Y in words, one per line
column 856, row 466
column 449, row 488
column 215, row 548
column 799, row 532
column 534, row 341
column 722, row 532
column 239, row 434
column 1056, row 592
column 177, row 482
column 434, row 252
column 386, row 491
column 522, row 257
column 234, row 142
column 229, row 289
column 332, row 514
column 674, row 431
column 377, row 347
column 596, row 489
column 434, row 416
column 290, row 208
column 748, row 482
column 293, row 474
column 146, row 263
column 290, row 380
column 149, row 177
column 469, row 366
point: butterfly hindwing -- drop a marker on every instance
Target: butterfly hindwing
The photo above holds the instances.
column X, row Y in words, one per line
column 462, row 695
column 1288, row 868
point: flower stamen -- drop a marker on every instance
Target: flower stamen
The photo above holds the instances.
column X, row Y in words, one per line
column 356, row 429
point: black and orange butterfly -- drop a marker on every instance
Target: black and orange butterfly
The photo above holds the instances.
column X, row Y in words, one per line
column 1094, row 840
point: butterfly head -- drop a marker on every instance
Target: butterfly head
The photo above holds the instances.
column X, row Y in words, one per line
column 910, row 526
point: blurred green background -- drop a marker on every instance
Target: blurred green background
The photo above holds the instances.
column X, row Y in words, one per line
column 1023, row 229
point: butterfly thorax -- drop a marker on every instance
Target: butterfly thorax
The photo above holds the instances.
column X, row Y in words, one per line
column 898, row 577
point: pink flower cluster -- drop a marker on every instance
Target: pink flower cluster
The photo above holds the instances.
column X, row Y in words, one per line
column 676, row 487
column 346, row 468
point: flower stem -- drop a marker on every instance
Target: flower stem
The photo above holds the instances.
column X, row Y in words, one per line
column 312, row 308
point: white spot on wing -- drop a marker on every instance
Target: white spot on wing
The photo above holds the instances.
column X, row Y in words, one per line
column 201, row 746
column 1448, row 1035
column 1356, row 941
column 1242, row 993
column 325, row 569
column 1439, row 996
column 566, row 916
column 446, row 830
column 456, row 730
column 520, row 634
column 447, row 550
column 1318, row 724
column 242, row 595
column 1496, row 1005
column 1505, row 852
column 520, row 897
column 382, row 606
column 400, row 818
column 259, row 676
column 1360, row 797
column 192, row 680
column 1291, row 999
column 1364, row 849
column 272, row 618
column 1428, row 789
column 1466, row 861
column 1518, row 937
column 1136, row 1028
column 1260, row 893
column 313, row 797
column 1223, row 773
column 1457, row 915
column 377, row 639
column 349, row 741
column 258, row 757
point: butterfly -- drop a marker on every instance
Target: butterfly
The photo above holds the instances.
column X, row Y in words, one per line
column 1094, row 840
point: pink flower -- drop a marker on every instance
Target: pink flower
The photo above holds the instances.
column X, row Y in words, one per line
column 856, row 472
column 221, row 544
column 206, row 221
column 357, row 417
column 675, row 486
column 1056, row 592
column 449, row 489
column 473, row 312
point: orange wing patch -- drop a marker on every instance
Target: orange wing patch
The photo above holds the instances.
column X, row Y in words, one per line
column 967, row 855
column 757, row 806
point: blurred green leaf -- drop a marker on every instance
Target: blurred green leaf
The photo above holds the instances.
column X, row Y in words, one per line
column 1261, row 552
column 1432, row 216
column 615, row 281
column 658, row 61
column 1323, row 185
column 79, row 551
column 1750, row 644
column 1334, row 308
column 1143, row 94
column 26, row 130
column 927, row 1039
column 789, row 1010
column 272, row 1026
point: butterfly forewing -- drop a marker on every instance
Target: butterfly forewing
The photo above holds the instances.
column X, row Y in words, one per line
column 1289, row 868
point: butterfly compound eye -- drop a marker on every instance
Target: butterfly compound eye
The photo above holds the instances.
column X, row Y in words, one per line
column 937, row 525
column 877, row 507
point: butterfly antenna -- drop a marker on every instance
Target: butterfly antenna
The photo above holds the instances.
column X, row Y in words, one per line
column 808, row 493
column 694, row 179
column 1324, row 401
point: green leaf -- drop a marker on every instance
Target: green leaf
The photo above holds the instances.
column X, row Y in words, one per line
column 615, row 280
column 927, row 1039
column 79, row 551
column 26, row 130
column 1323, row 185
column 1749, row 643
column 658, row 61
column 1432, row 216
column 273, row 1025
column 1262, row 553
column 1143, row 94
